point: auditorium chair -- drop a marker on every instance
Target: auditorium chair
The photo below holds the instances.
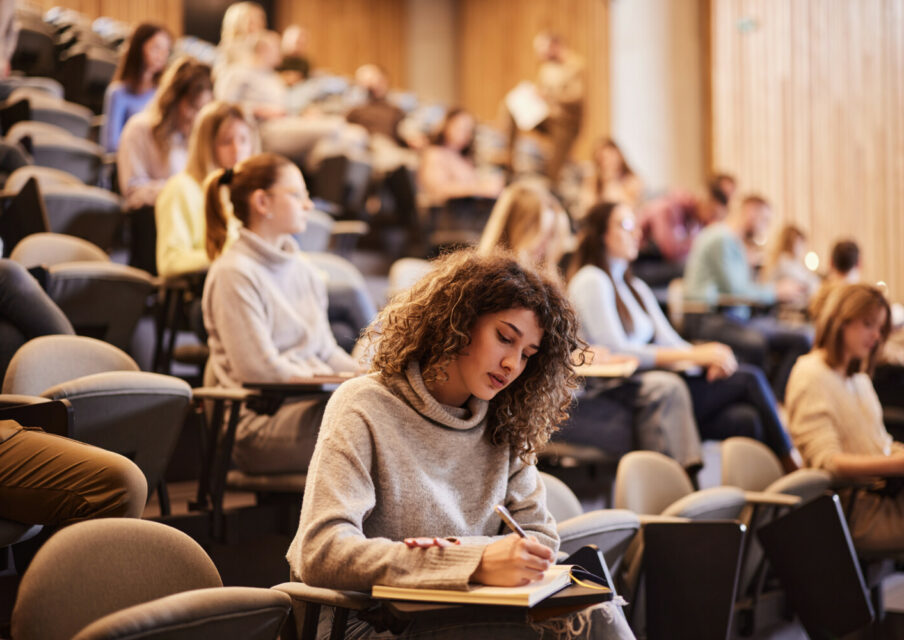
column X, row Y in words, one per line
column 118, row 578
column 322, row 233
column 34, row 54
column 350, row 306
column 52, row 146
column 221, row 409
column 750, row 465
column 115, row 406
column 657, row 489
column 43, row 107
column 45, row 176
column 102, row 299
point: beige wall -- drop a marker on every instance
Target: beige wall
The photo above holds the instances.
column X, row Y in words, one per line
column 657, row 72
column 432, row 50
column 808, row 109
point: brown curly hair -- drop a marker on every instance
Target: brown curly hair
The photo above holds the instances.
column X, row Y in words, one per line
column 431, row 323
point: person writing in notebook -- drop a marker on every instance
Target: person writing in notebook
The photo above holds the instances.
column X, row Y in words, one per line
column 472, row 372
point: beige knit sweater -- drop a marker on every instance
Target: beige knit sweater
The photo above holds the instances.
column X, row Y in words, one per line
column 391, row 462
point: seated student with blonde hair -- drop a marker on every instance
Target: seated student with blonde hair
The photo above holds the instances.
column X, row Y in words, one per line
column 472, row 372
column 221, row 138
column 265, row 309
column 835, row 415
column 528, row 220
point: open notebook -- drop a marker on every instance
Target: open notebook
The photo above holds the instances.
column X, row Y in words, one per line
column 557, row 578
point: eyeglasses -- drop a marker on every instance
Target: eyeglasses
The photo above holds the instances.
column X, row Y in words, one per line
column 301, row 196
column 628, row 224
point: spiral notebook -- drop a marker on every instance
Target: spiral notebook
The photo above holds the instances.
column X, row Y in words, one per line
column 557, row 577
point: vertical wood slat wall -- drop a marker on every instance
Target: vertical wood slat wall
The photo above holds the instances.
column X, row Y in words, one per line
column 165, row 12
column 345, row 34
column 496, row 53
column 808, row 109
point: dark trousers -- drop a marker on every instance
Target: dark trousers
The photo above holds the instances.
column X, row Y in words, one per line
column 26, row 312
column 763, row 342
column 740, row 405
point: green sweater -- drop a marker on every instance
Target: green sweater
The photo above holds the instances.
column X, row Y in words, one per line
column 718, row 265
column 391, row 462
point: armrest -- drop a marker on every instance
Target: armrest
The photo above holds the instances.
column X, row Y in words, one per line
column 651, row 518
column 222, row 393
column 350, row 228
column 611, row 530
column 731, row 300
column 214, row 612
column 328, row 597
column 771, row 499
column 716, row 503
column 182, row 281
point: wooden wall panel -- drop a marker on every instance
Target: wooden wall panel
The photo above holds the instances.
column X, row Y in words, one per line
column 345, row 34
column 496, row 53
column 165, row 12
column 807, row 100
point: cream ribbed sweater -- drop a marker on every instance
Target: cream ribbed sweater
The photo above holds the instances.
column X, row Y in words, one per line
column 829, row 413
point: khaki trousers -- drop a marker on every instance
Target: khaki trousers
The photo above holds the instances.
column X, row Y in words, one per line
column 51, row 480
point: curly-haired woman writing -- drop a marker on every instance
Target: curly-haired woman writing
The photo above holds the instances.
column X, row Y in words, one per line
column 472, row 372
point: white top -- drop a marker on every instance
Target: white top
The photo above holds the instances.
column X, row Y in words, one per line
column 592, row 293
column 829, row 413
column 143, row 166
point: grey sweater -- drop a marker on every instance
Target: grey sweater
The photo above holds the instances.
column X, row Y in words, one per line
column 391, row 462
column 265, row 310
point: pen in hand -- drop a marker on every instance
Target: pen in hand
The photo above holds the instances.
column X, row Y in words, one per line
column 509, row 520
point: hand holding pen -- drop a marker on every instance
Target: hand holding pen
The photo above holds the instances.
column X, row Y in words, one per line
column 514, row 560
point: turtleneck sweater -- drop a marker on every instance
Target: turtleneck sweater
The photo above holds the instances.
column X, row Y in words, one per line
column 265, row 310
column 391, row 462
column 592, row 293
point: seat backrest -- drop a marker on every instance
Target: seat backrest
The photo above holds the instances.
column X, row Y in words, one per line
column 82, row 158
column 560, row 499
column 22, row 215
column 74, row 118
column 93, row 568
column 49, row 360
column 49, row 249
column 748, row 464
column 103, row 300
column 82, row 210
column 46, row 177
column 35, row 130
column 647, row 482
column 338, row 269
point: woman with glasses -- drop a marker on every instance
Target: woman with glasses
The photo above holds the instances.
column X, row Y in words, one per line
column 265, row 309
column 620, row 312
